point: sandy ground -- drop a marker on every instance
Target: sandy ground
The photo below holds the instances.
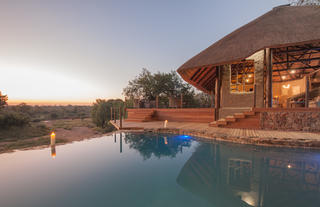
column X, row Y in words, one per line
column 76, row 133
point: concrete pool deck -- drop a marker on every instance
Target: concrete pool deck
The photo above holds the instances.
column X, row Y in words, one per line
column 243, row 136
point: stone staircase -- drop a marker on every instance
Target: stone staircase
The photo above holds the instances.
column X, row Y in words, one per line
column 140, row 115
column 244, row 120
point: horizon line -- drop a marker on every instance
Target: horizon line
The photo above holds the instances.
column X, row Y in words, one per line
column 51, row 102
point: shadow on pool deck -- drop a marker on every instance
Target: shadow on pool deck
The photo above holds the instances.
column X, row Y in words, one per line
column 244, row 136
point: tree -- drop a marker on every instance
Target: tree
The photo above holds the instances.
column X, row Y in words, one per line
column 101, row 111
column 148, row 86
column 149, row 145
column 3, row 100
column 304, row 2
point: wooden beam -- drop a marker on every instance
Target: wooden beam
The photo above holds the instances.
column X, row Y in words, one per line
column 208, row 82
column 255, row 96
column 269, row 76
column 206, row 76
column 300, row 50
column 212, row 103
column 157, row 101
column 296, row 60
column 217, row 93
column 306, row 101
column 195, row 73
column 199, row 74
column 300, row 68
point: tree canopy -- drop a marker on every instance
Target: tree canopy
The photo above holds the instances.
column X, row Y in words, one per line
column 3, row 100
column 101, row 111
column 147, row 85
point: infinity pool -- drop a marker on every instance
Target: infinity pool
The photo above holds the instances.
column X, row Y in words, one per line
column 159, row 170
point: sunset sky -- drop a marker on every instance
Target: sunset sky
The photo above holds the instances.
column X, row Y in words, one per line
column 80, row 50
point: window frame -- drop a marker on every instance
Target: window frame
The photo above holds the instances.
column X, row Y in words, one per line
column 248, row 64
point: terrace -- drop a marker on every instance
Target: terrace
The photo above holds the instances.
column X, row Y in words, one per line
column 270, row 83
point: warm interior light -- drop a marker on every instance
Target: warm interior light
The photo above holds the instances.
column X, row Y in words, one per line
column 293, row 71
column 286, row 86
column 283, row 77
column 289, row 166
column 53, row 135
column 250, row 75
column 247, row 80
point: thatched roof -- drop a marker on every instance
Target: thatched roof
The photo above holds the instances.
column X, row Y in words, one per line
column 282, row 26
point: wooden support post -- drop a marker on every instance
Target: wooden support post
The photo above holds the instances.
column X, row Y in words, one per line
column 212, row 103
column 120, row 114
column 110, row 113
column 217, row 94
column 157, row 101
column 181, row 100
column 306, row 101
column 254, row 95
column 114, row 115
column 269, row 76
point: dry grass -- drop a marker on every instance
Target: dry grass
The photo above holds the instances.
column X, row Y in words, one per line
column 68, row 124
column 21, row 133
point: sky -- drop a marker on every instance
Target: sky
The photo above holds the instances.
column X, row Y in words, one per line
column 76, row 51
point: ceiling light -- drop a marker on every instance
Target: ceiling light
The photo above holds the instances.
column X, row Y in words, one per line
column 286, row 86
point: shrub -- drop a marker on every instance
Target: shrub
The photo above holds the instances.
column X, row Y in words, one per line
column 11, row 118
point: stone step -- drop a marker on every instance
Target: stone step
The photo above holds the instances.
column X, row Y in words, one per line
column 134, row 120
column 249, row 113
column 239, row 115
column 222, row 122
column 213, row 124
column 230, row 119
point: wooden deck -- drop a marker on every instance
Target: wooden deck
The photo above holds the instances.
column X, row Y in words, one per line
column 249, row 136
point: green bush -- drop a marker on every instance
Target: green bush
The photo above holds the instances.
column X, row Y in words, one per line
column 11, row 118
column 101, row 112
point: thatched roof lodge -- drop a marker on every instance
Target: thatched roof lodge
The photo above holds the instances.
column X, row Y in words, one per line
column 270, row 62
column 283, row 26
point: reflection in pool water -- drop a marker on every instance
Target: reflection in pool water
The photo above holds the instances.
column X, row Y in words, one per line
column 160, row 170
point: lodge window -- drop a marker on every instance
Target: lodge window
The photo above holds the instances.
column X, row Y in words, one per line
column 242, row 77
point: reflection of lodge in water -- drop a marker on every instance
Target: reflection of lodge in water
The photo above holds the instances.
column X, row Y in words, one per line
column 157, row 145
column 229, row 176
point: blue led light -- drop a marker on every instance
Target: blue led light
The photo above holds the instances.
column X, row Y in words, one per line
column 185, row 136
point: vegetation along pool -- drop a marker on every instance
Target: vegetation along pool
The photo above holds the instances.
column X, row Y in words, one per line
column 132, row 169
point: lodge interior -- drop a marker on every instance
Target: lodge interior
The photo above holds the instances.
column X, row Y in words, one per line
column 296, row 76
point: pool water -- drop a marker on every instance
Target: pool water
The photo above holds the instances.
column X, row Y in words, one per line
column 132, row 169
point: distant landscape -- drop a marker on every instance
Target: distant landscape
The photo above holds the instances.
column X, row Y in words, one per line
column 26, row 125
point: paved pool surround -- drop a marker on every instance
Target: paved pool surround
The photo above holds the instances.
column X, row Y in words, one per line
column 243, row 136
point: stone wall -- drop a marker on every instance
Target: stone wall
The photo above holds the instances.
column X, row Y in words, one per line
column 231, row 103
column 289, row 120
